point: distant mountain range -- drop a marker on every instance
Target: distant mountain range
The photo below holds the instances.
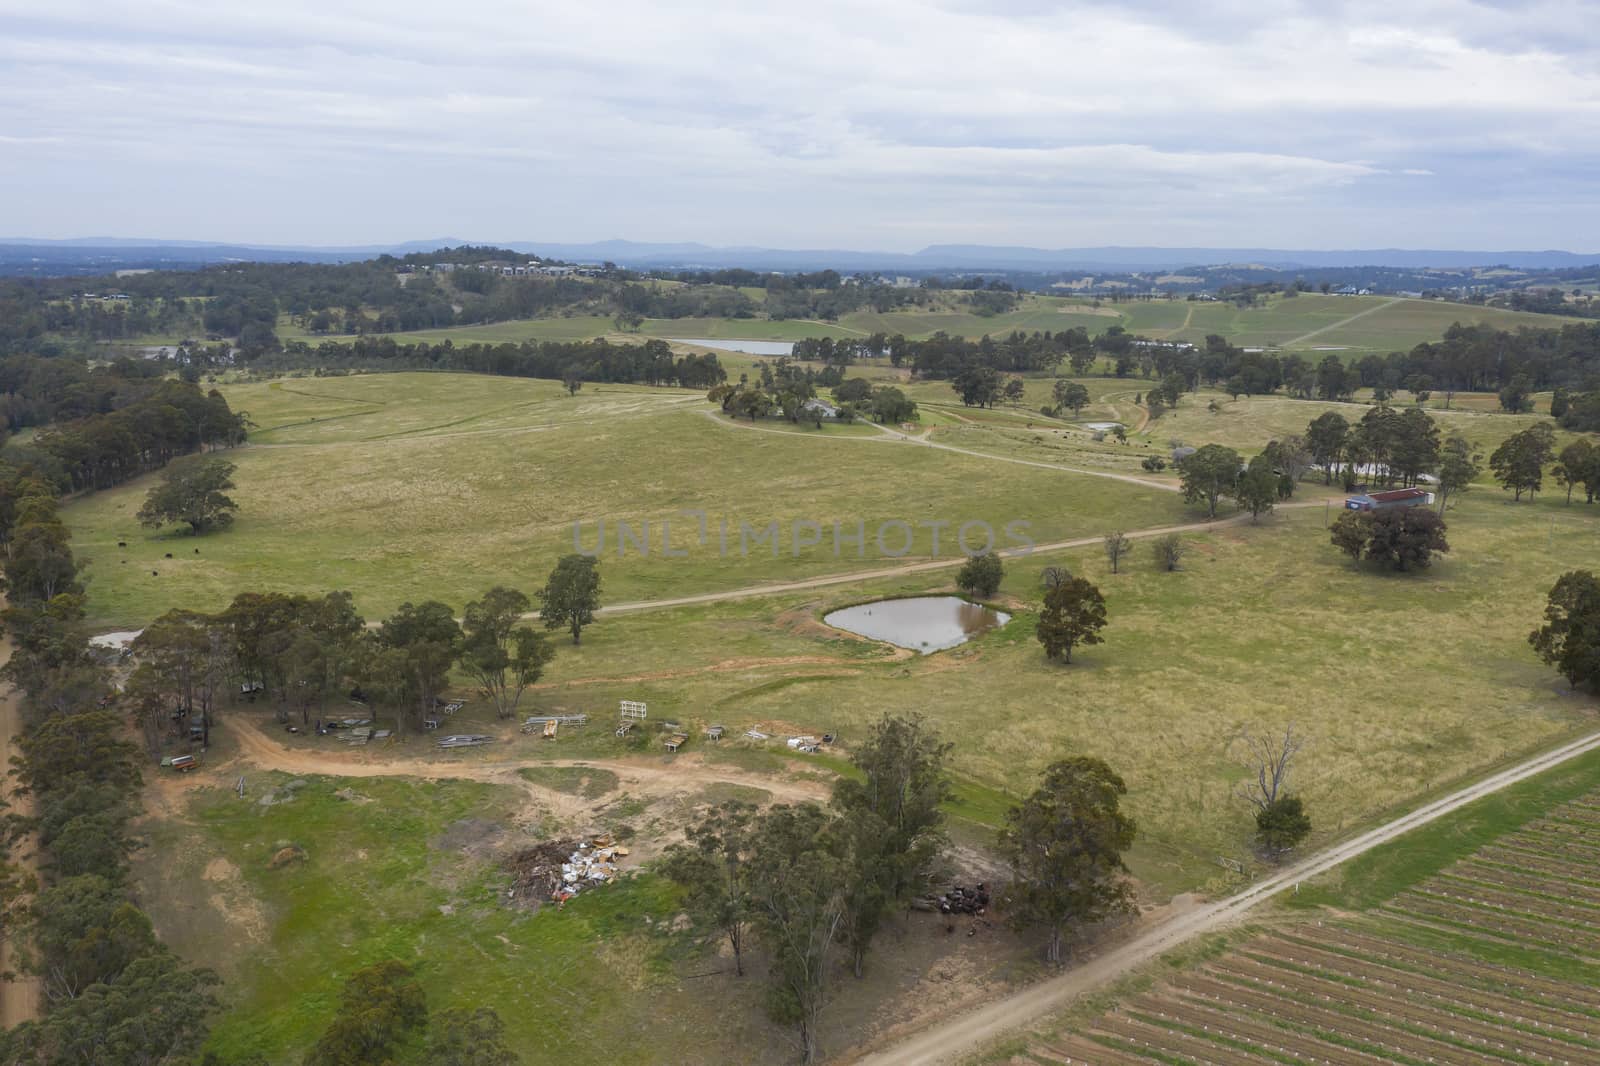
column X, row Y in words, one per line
column 99, row 254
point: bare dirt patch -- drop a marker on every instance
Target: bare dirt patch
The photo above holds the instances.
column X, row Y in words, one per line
column 473, row 836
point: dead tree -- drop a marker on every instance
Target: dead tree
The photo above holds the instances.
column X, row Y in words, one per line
column 1055, row 576
column 1117, row 545
column 1267, row 759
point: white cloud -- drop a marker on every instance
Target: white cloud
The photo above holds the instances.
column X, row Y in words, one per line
column 836, row 124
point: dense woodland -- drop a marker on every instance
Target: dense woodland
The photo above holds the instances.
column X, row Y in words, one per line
column 112, row 993
column 100, row 426
column 649, row 362
column 386, row 295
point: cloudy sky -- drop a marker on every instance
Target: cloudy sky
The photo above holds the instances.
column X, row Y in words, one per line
column 888, row 124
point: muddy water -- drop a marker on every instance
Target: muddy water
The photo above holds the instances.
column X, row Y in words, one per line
column 921, row 623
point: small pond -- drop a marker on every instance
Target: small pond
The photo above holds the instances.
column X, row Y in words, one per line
column 1104, row 427
column 921, row 623
column 747, row 347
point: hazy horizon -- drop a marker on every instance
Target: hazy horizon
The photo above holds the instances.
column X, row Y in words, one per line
column 1443, row 125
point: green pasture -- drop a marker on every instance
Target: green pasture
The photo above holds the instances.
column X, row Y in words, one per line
column 423, row 486
column 402, row 869
column 1311, row 323
column 1265, row 624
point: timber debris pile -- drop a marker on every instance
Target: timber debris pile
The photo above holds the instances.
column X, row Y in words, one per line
column 557, row 870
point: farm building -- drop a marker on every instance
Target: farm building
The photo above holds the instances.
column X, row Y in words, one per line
column 1383, row 501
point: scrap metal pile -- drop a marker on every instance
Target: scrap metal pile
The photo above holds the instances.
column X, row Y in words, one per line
column 961, row 899
column 560, row 869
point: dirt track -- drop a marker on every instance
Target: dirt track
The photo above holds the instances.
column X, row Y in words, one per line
column 968, row 1033
column 894, row 436
column 19, row 999
column 683, row 774
column 804, row 584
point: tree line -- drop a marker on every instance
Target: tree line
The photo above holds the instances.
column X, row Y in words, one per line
column 306, row 653
column 650, row 362
column 112, row 993
column 812, row 886
column 789, row 390
column 102, row 426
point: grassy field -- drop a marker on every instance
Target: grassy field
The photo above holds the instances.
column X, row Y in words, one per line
column 400, row 871
column 416, row 486
column 437, row 486
column 1310, row 323
column 1265, row 624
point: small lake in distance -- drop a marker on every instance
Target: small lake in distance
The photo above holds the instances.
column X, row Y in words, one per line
column 921, row 623
column 747, row 347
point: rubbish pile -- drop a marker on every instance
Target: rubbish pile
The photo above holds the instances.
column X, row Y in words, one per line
column 560, row 869
column 961, row 899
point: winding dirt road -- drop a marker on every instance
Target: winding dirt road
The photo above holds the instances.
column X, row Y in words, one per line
column 968, row 1033
column 826, row 580
column 890, row 436
column 685, row 772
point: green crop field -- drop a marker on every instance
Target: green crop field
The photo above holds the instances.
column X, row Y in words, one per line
column 1468, row 940
column 1309, row 322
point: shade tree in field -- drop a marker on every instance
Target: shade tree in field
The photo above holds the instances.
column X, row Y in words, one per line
column 1326, row 439
column 414, row 650
column 1257, row 489
column 1065, row 845
column 461, row 1037
column 1071, row 395
column 712, row 869
column 892, row 823
column 981, row 575
column 193, row 492
column 1517, row 396
column 977, row 385
column 382, row 1009
column 1459, row 466
column 797, row 866
column 1281, row 825
column 1401, row 538
column 1209, row 474
column 1014, row 390
column 1519, row 462
column 1168, row 551
column 889, row 404
column 500, row 653
column 1579, row 464
column 1569, row 640
column 1074, row 612
column 571, row 595
column 1290, row 458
